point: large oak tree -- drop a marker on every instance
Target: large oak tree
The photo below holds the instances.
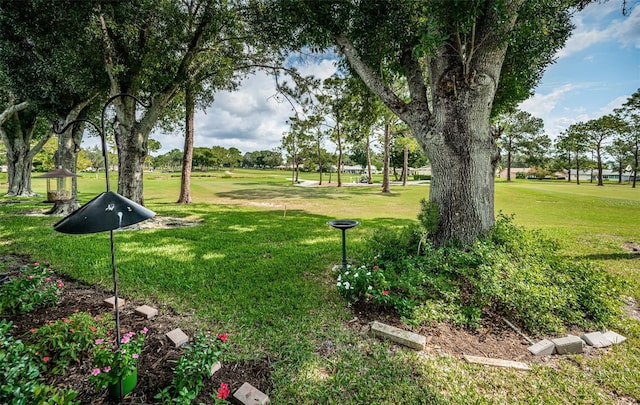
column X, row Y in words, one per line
column 463, row 60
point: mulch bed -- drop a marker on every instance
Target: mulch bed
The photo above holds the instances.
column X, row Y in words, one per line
column 155, row 367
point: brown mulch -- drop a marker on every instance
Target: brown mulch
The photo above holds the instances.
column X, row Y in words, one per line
column 155, row 368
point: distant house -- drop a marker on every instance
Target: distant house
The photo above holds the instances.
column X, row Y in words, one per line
column 514, row 171
column 356, row 169
column 4, row 168
column 424, row 171
column 609, row 175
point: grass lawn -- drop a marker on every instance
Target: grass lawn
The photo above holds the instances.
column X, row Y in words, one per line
column 259, row 267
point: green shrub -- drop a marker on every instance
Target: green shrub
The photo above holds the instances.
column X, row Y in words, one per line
column 21, row 383
column 35, row 286
column 422, row 177
column 513, row 272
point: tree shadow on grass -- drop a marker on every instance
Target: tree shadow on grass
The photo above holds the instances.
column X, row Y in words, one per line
column 611, row 256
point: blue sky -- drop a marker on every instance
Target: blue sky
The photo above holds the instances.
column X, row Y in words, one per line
column 597, row 70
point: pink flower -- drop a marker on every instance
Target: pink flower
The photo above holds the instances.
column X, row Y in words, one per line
column 47, row 279
column 45, row 359
column 36, row 264
column 375, row 268
column 125, row 339
column 99, row 341
column 135, row 355
column 30, row 277
column 123, row 351
column 144, row 330
column 95, row 371
column 223, row 391
column 385, row 292
column 223, row 337
column 106, row 369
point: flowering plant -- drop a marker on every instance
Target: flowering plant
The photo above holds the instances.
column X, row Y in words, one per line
column 111, row 363
column 362, row 283
column 35, row 286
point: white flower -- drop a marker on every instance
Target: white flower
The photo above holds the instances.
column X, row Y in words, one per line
column 346, row 273
column 370, row 288
column 355, row 275
column 346, row 285
column 340, row 278
column 368, row 273
column 339, row 284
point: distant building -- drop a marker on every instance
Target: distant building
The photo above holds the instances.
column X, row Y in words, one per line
column 608, row 175
column 514, row 171
column 4, row 168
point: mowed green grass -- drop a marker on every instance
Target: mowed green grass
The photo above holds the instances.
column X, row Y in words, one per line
column 258, row 267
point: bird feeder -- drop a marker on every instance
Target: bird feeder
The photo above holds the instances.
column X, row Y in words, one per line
column 57, row 192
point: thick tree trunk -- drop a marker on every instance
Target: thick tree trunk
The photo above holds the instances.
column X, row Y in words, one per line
column 385, row 165
column 187, row 156
column 17, row 139
column 19, row 170
column 131, row 140
column 462, row 183
column 68, row 147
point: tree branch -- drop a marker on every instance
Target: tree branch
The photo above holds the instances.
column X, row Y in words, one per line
column 388, row 97
column 108, row 53
column 8, row 112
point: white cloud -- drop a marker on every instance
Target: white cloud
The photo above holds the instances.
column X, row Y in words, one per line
column 253, row 117
column 627, row 29
column 541, row 105
column 603, row 22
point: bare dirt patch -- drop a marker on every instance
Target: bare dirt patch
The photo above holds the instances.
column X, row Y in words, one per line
column 494, row 339
column 632, row 247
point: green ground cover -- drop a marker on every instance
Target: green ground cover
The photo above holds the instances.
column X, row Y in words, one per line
column 259, row 267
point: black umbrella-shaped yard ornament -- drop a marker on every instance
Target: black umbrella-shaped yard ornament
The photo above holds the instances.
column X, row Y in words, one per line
column 106, row 212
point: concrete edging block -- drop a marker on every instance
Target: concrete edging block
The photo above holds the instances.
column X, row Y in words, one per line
column 403, row 337
column 596, row 339
column 178, row 337
column 248, row 394
column 568, row 345
column 543, row 348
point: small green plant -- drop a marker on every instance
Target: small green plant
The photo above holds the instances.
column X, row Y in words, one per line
column 66, row 341
column 35, row 286
column 21, row 383
column 113, row 362
column 192, row 369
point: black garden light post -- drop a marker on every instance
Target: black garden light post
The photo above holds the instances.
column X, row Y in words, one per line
column 106, row 212
column 343, row 225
